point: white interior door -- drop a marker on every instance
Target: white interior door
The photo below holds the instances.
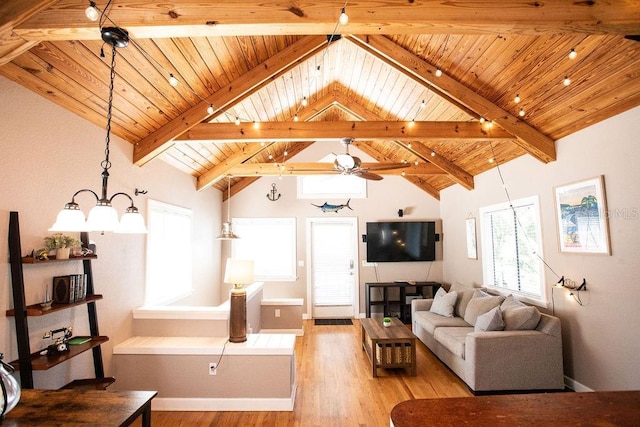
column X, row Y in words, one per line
column 332, row 266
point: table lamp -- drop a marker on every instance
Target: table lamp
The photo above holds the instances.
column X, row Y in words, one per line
column 240, row 273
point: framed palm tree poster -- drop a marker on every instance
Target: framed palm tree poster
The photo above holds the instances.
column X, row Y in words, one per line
column 581, row 214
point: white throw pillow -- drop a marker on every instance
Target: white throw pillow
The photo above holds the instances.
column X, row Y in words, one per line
column 444, row 302
column 490, row 321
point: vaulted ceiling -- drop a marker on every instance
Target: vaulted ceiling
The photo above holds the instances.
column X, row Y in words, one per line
column 258, row 82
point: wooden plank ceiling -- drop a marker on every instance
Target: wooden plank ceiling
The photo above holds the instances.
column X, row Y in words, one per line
column 270, row 67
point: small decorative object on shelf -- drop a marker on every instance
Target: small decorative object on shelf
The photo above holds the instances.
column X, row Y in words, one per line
column 61, row 243
column 386, row 322
column 10, row 388
column 60, row 342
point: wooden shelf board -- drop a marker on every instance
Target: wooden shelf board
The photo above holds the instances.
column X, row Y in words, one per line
column 43, row 362
column 36, row 309
column 32, row 260
column 89, row 384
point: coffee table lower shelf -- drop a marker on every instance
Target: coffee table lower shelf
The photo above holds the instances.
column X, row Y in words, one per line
column 388, row 347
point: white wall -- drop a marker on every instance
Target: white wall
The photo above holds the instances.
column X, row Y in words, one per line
column 600, row 339
column 384, row 199
column 46, row 154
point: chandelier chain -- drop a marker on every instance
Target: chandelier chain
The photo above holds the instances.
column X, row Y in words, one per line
column 106, row 164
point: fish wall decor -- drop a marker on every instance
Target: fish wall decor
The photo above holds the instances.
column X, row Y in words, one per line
column 326, row 207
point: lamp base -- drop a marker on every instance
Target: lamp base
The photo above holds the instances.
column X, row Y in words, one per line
column 238, row 315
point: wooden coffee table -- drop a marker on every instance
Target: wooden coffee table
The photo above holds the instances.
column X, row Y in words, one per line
column 388, row 347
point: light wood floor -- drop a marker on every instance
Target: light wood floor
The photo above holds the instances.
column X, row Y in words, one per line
column 335, row 386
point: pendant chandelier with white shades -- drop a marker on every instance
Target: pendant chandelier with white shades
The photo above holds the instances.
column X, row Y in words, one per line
column 103, row 216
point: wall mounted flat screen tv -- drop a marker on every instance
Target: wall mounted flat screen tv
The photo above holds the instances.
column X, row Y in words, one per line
column 401, row 241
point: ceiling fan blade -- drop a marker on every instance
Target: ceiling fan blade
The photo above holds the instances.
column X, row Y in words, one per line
column 386, row 166
column 367, row 175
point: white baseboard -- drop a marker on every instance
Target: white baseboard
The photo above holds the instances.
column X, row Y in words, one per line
column 296, row 332
column 224, row 404
column 575, row 385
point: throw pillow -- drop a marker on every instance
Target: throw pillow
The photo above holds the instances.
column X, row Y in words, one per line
column 480, row 303
column 443, row 303
column 464, row 296
column 490, row 321
column 518, row 316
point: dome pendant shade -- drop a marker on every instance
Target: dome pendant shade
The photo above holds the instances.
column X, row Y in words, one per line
column 71, row 218
column 102, row 218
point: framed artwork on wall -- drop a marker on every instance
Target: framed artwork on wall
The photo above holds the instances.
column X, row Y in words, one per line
column 472, row 247
column 581, row 214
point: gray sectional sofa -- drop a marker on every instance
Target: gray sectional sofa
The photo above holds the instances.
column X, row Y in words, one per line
column 491, row 342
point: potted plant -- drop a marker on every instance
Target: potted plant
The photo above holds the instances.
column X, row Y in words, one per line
column 386, row 322
column 61, row 243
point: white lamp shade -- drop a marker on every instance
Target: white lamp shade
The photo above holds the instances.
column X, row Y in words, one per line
column 131, row 223
column 102, row 218
column 69, row 220
column 239, row 271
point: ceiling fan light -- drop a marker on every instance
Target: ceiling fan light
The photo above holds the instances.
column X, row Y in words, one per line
column 345, row 161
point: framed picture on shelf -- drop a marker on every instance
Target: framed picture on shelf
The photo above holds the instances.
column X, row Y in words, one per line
column 472, row 248
column 581, row 214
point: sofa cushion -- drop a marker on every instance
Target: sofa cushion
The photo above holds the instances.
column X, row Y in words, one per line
column 430, row 321
column 490, row 321
column 443, row 303
column 480, row 303
column 519, row 316
column 464, row 296
column 453, row 338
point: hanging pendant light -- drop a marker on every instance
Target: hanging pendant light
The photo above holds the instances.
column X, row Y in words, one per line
column 103, row 217
column 227, row 227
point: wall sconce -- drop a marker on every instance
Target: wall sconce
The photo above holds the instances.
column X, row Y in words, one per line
column 240, row 273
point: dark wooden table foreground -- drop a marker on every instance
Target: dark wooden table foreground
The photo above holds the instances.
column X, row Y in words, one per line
column 92, row 407
column 609, row 408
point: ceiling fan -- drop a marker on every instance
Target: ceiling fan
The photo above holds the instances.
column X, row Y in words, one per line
column 347, row 164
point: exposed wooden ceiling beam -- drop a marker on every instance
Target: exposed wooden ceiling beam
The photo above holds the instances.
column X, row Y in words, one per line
column 459, row 175
column 149, row 147
column 13, row 13
column 319, row 131
column 535, row 143
column 180, row 18
column 223, row 169
column 317, row 168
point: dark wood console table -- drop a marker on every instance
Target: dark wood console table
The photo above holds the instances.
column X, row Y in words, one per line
column 610, row 408
column 93, row 407
column 401, row 306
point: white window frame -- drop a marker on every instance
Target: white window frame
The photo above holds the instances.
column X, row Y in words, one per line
column 331, row 185
column 527, row 232
column 270, row 243
column 169, row 253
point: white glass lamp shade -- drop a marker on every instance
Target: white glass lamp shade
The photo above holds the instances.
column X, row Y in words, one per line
column 69, row 220
column 92, row 13
column 102, row 218
column 131, row 223
column 239, row 271
column 345, row 161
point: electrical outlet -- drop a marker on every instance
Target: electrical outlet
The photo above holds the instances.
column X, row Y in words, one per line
column 277, row 312
column 213, row 367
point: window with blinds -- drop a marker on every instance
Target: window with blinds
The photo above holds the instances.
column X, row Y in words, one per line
column 270, row 243
column 512, row 248
column 169, row 254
